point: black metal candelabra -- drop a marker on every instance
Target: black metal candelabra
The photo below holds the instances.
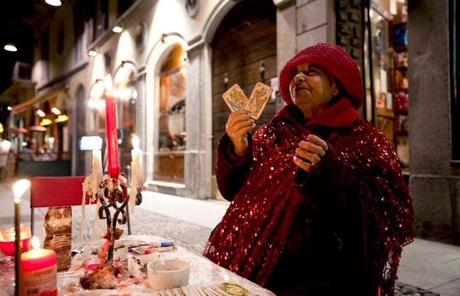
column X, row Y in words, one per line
column 115, row 196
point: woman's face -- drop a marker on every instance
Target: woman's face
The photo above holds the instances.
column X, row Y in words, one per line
column 311, row 89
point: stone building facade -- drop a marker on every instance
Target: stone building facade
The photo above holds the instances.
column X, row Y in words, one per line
column 152, row 31
column 178, row 56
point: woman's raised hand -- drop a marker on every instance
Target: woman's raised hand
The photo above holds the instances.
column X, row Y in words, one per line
column 309, row 152
column 238, row 125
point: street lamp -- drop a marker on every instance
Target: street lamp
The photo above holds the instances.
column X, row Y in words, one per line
column 54, row 2
column 10, row 47
column 117, row 29
column 92, row 52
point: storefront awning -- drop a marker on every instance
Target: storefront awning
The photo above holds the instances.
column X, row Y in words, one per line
column 56, row 96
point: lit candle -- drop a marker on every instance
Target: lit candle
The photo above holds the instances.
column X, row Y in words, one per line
column 111, row 130
column 136, row 162
column 8, row 240
column 39, row 267
column 136, row 169
column 91, row 183
column 19, row 188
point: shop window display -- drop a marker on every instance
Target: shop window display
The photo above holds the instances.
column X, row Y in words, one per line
column 388, row 56
column 169, row 157
column 401, row 86
column 172, row 111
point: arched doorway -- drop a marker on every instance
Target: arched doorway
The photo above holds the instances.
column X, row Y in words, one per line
column 169, row 154
column 244, row 52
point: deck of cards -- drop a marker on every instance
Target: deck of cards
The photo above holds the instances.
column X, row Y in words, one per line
column 235, row 99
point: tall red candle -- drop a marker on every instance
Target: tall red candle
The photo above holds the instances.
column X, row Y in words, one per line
column 112, row 138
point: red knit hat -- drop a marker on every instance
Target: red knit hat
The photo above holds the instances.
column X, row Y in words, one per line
column 334, row 60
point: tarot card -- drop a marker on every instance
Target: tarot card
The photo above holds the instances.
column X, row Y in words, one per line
column 235, row 98
column 258, row 99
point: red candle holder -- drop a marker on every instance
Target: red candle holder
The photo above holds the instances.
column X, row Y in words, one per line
column 7, row 245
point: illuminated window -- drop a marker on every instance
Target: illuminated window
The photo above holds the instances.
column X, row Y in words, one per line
column 172, row 131
column 172, row 102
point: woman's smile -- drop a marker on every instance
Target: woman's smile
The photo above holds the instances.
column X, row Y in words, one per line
column 301, row 87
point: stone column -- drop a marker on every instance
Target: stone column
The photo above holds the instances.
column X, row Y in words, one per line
column 315, row 23
column 285, row 31
column 433, row 184
column 300, row 24
column 198, row 114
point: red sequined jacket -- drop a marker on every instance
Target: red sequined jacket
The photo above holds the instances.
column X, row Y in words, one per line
column 343, row 224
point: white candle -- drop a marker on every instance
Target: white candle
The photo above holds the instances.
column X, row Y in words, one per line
column 136, row 162
column 136, row 169
column 96, row 170
column 91, row 183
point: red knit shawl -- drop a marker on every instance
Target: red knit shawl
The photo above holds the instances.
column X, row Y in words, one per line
column 256, row 226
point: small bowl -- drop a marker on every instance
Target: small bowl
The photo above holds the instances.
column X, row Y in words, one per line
column 168, row 274
column 7, row 243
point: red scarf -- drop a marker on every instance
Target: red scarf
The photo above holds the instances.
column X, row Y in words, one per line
column 326, row 123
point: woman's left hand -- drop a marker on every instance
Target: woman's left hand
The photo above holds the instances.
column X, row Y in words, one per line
column 309, row 152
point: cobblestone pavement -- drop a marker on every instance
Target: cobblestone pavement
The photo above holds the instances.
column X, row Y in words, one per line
column 405, row 289
column 186, row 234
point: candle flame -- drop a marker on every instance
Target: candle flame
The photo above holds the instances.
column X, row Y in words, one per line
column 19, row 188
column 135, row 141
column 35, row 243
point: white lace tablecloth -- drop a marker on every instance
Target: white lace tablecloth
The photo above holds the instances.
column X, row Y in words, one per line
column 203, row 272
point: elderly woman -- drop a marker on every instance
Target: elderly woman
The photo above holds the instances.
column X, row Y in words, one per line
column 318, row 202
